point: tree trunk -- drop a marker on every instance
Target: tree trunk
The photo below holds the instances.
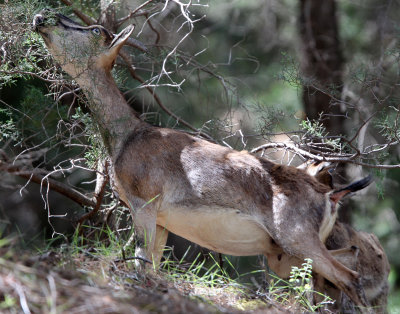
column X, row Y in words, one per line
column 322, row 64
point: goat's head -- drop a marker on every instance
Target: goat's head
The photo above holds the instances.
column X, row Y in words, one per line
column 77, row 48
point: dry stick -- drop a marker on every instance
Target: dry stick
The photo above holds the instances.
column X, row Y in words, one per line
column 85, row 18
column 153, row 29
column 296, row 150
column 122, row 20
column 55, row 185
column 31, row 74
column 99, row 199
column 158, row 100
column 124, row 259
column 305, row 153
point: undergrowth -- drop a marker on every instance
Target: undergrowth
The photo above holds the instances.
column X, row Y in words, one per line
column 96, row 258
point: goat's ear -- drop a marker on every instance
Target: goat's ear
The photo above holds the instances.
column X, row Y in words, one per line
column 320, row 170
column 120, row 39
column 325, row 177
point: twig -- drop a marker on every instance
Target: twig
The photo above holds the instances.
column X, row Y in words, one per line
column 158, row 36
column 123, row 19
column 119, row 260
column 304, row 153
column 31, row 74
column 99, row 199
column 22, row 298
column 54, row 185
column 85, row 18
column 158, row 100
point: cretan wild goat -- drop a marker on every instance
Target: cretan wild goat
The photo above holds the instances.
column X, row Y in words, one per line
column 227, row 201
column 359, row 251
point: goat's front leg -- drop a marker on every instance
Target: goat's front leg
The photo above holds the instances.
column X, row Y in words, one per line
column 144, row 218
column 159, row 245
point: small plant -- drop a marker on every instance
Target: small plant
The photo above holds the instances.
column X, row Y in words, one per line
column 299, row 288
column 316, row 131
column 8, row 129
column 300, row 279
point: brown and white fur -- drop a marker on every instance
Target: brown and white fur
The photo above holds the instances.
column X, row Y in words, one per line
column 228, row 201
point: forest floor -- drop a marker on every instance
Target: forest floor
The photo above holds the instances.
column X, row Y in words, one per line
column 87, row 282
column 95, row 278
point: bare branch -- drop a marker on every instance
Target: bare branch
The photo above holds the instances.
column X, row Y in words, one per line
column 85, row 18
column 31, row 74
column 36, row 176
column 136, row 44
column 158, row 100
column 131, row 14
column 158, row 36
column 99, row 197
column 321, row 157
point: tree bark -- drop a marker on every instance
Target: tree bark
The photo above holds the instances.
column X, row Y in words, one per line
column 322, row 63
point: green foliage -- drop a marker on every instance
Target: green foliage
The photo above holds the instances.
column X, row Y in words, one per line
column 201, row 271
column 96, row 150
column 394, row 302
column 300, row 278
column 299, row 288
column 290, row 71
column 269, row 118
column 99, row 242
column 388, row 124
column 379, row 176
column 316, row 130
column 8, row 130
column 34, row 119
column 23, row 50
column 8, row 303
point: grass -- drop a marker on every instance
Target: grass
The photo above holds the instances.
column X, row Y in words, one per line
column 91, row 275
column 206, row 280
column 394, row 302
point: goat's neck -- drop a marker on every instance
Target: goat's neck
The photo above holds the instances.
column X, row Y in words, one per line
column 109, row 109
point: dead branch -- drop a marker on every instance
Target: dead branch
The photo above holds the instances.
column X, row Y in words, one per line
column 124, row 259
column 100, row 190
column 122, row 20
column 85, row 18
column 321, row 157
column 35, row 75
column 158, row 36
column 35, row 175
column 158, row 100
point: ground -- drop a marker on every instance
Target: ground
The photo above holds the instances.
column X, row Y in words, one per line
column 65, row 281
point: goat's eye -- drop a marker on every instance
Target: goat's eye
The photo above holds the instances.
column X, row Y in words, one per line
column 96, row 31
